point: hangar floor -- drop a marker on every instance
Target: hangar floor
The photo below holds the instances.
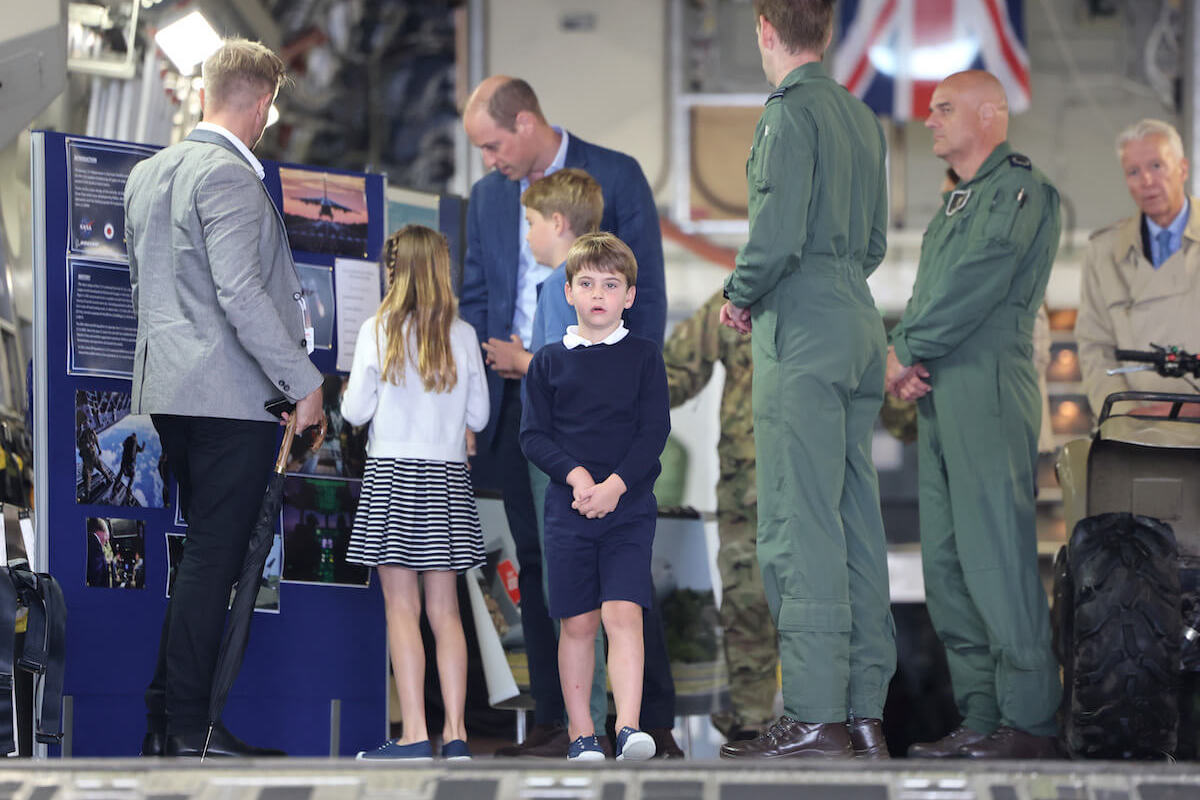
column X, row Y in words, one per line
column 485, row 778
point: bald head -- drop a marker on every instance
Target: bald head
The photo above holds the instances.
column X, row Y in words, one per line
column 980, row 90
column 968, row 115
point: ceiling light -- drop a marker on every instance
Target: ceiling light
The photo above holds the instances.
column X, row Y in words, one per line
column 188, row 41
column 929, row 63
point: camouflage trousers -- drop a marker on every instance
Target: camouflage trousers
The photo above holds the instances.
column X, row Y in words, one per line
column 750, row 642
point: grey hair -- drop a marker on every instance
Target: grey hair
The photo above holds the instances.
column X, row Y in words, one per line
column 1151, row 127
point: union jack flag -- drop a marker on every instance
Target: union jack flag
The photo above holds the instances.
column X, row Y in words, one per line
column 893, row 53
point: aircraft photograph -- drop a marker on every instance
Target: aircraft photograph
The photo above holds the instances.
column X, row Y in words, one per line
column 325, row 212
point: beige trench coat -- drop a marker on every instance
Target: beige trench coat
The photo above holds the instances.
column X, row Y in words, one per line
column 1126, row 303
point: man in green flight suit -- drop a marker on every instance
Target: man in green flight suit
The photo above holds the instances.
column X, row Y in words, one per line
column 751, row 650
column 963, row 350
column 818, row 222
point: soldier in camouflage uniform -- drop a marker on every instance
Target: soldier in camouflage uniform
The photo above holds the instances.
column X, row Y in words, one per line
column 751, row 648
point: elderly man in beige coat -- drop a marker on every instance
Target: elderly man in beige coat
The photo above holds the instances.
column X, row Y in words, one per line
column 1141, row 276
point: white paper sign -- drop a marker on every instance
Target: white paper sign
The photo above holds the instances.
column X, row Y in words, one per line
column 356, row 285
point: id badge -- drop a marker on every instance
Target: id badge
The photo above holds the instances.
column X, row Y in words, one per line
column 309, row 334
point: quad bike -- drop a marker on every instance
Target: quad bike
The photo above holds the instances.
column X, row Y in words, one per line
column 1126, row 605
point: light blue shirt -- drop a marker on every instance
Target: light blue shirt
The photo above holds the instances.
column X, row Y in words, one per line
column 1174, row 237
column 529, row 272
column 554, row 314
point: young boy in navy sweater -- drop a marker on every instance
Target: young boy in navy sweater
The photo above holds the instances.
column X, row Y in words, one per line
column 595, row 420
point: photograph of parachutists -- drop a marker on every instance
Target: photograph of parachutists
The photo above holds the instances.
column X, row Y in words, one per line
column 116, row 553
column 119, row 460
column 343, row 454
column 268, row 589
column 325, row 212
column 318, row 514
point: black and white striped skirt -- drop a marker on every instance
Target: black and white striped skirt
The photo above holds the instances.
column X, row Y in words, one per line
column 417, row 514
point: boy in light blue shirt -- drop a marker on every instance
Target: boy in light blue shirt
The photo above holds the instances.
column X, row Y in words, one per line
column 559, row 208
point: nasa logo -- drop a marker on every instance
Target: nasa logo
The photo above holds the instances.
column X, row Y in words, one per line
column 108, row 231
column 85, row 227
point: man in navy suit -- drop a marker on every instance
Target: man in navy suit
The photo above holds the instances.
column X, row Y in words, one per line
column 499, row 293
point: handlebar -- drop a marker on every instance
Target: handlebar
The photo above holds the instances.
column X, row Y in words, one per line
column 1170, row 362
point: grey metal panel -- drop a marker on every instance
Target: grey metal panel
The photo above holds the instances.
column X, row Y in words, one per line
column 33, row 71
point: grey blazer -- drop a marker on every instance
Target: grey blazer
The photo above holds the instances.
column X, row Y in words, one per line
column 215, row 290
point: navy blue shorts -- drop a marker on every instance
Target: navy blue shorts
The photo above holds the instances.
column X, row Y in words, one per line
column 591, row 561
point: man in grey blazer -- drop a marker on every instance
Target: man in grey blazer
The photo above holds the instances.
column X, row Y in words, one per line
column 221, row 331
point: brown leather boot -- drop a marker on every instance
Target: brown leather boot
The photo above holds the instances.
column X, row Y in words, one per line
column 866, row 736
column 789, row 738
column 1013, row 744
column 947, row 746
column 543, row 741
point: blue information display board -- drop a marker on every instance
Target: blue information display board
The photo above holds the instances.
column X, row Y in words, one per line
column 314, row 678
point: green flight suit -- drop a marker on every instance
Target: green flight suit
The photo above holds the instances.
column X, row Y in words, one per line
column 818, row 224
column 984, row 265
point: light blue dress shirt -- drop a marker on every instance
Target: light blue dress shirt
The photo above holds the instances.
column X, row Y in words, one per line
column 1165, row 241
column 554, row 313
column 529, row 272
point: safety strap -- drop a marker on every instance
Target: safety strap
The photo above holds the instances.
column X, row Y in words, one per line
column 37, row 600
column 45, row 645
column 49, row 715
column 8, row 641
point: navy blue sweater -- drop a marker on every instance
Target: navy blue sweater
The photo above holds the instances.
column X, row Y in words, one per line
column 603, row 407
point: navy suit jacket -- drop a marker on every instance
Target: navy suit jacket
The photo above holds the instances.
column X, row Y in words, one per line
column 489, row 288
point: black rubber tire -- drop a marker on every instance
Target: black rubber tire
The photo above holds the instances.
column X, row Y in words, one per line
column 1126, row 634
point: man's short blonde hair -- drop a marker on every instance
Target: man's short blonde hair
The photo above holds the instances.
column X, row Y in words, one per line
column 570, row 192
column 602, row 252
column 1145, row 128
column 241, row 71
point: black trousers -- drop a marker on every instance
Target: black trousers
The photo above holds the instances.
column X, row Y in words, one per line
column 222, row 466
column 502, row 466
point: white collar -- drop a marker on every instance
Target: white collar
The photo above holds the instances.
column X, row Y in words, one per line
column 572, row 339
column 213, row 127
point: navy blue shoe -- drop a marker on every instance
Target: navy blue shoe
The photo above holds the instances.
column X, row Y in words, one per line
column 392, row 750
column 634, row 745
column 456, row 750
column 585, row 748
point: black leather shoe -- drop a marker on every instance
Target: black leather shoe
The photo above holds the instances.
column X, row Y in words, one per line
column 543, row 741
column 1013, row 744
column 949, row 746
column 665, row 745
column 154, row 743
column 743, row 734
column 866, row 737
column 222, row 744
column 789, row 738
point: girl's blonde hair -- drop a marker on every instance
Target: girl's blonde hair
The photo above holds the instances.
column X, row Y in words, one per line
column 417, row 260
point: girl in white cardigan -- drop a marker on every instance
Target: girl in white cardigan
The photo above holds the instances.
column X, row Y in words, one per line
column 418, row 378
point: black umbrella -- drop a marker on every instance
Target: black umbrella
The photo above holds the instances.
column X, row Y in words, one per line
column 237, row 629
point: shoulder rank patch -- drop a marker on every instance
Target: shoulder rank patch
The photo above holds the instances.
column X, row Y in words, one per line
column 774, row 94
column 1018, row 160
